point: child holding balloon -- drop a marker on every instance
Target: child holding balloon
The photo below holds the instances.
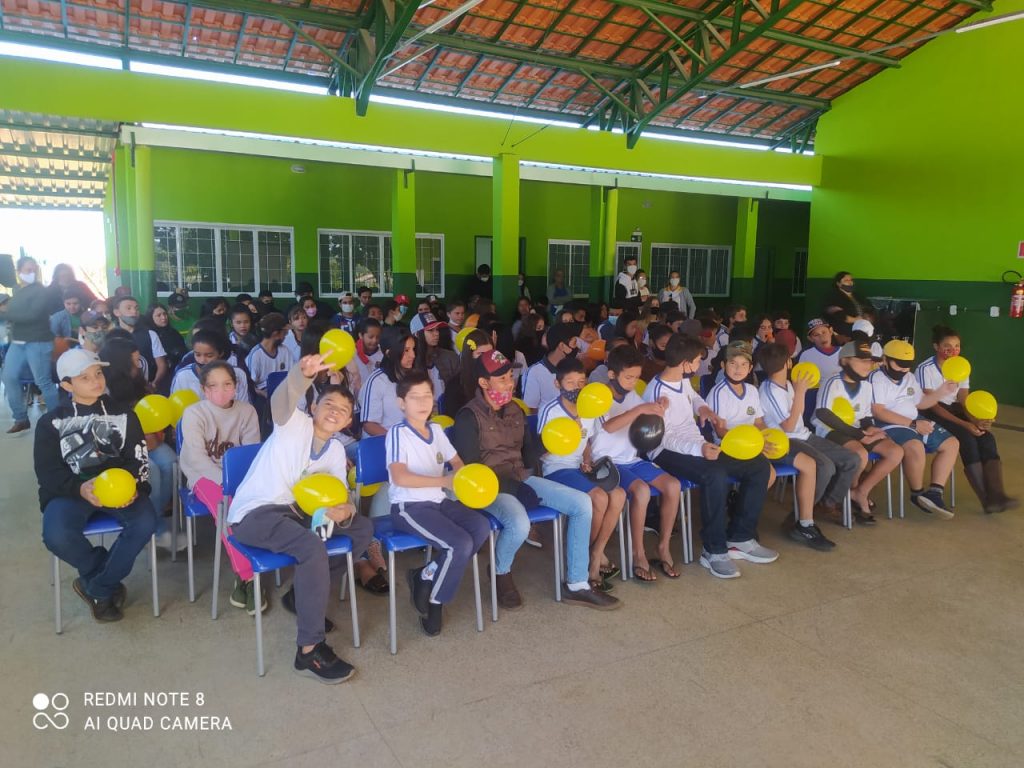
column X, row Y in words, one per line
column 75, row 444
column 978, row 450
column 417, row 451
column 263, row 512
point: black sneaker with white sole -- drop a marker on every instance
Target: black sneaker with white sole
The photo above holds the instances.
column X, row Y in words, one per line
column 930, row 501
column 810, row 535
column 321, row 664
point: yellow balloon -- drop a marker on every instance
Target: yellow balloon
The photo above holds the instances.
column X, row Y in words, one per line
column 595, row 400
column 981, row 405
column 338, row 347
column 155, row 413
column 843, row 408
column 367, row 490
column 641, row 385
column 319, row 490
column 521, row 404
column 743, row 442
column 475, row 485
column 809, row 371
column 956, row 369
column 114, row 487
column 779, row 441
column 460, row 337
column 181, row 400
column 444, row 421
column 561, row 436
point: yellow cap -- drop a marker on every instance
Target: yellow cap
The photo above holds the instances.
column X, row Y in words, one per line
column 900, row 350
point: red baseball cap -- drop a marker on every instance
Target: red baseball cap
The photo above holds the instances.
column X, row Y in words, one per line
column 402, row 299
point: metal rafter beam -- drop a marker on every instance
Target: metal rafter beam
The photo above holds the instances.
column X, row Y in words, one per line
column 72, row 155
column 54, row 175
column 331, row 55
column 391, row 21
column 31, row 192
column 58, row 129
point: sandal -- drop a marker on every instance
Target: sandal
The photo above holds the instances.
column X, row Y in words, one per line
column 378, row 585
column 600, row 585
column 864, row 518
column 667, row 568
column 610, row 571
column 644, row 575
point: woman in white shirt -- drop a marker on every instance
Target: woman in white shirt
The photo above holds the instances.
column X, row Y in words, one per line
column 675, row 291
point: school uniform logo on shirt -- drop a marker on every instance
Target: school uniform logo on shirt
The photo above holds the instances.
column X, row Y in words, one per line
column 440, row 458
column 910, row 390
column 750, row 410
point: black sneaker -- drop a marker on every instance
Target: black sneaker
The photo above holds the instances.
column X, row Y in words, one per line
column 321, row 664
column 810, row 535
column 419, row 590
column 930, row 501
column 431, row 623
column 120, row 596
column 102, row 610
column 288, row 603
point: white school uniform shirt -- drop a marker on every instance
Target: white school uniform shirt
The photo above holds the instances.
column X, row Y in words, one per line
column 777, row 404
column 285, row 458
column 735, row 409
column 365, row 369
column 861, row 400
column 616, row 445
column 682, row 434
column 539, row 384
column 929, row 376
column 261, row 364
column 827, row 364
column 156, row 346
column 378, row 401
column 901, row 397
column 721, row 338
column 292, row 344
column 404, row 445
column 188, row 378
column 551, row 462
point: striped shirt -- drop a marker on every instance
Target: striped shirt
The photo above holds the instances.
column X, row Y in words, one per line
column 861, row 400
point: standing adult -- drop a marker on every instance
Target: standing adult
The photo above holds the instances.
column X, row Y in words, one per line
column 64, row 280
column 480, row 284
column 558, row 293
column 626, row 289
column 28, row 317
column 675, row 291
column 844, row 306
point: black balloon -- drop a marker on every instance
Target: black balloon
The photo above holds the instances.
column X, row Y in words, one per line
column 646, row 432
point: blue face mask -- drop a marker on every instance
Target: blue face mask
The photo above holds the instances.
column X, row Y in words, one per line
column 402, row 309
column 613, row 319
column 572, row 396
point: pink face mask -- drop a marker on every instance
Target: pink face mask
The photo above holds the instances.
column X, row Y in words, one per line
column 500, row 399
column 221, row 397
column 310, row 312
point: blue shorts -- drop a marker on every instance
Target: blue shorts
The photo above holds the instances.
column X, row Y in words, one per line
column 638, row 470
column 902, row 435
column 573, row 478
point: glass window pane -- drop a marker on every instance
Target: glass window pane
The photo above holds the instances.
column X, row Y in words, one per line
column 198, row 259
column 275, row 255
column 165, row 252
column 334, row 263
column 366, row 261
column 430, row 264
column 719, row 269
column 387, row 276
column 237, row 265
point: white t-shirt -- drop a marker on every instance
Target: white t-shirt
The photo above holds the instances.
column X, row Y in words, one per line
column 365, row 369
column 627, row 281
column 285, row 458
column 539, row 385
column 735, row 409
column 827, row 364
column 929, row 376
column 188, row 378
column 551, row 462
column 519, row 367
column 292, row 345
column 404, row 445
column 378, row 401
column 861, row 401
column 682, row 434
column 261, row 364
column 156, row 345
column 901, row 398
column 777, row 404
column 616, row 445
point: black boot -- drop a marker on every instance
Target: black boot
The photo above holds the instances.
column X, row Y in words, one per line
column 998, row 499
column 976, row 479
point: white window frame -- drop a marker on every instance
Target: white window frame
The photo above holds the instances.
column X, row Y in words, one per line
column 218, row 227
column 620, row 256
column 800, row 255
column 568, row 278
column 433, row 236
column 382, row 235
column 686, row 278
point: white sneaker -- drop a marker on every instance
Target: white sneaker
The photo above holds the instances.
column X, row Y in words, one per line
column 752, row 551
column 720, row 566
column 163, row 540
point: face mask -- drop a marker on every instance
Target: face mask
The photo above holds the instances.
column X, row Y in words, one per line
column 27, row 277
column 673, row 281
column 130, row 321
column 95, row 338
column 854, row 375
column 522, row 283
column 347, row 307
column 631, row 269
column 893, row 374
column 657, row 354
column 500, row 399
column 641, row 281
column 617, row 387
column 613, row 319
column 221, row 398
column 571, row 397
column 402, row 309
column 311, row 312
column 484, row 278
column 735, row 381
column 846, row 288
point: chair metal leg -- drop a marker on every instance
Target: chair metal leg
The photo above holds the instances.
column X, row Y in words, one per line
column 494, row 580
column 557, row 531
column 56, row 594
column 796, row 508
column 563, row 560
column 476, row 593
column 848, row 512
column 888, row 492
column 277, row 578
column 352, row 599
column 191, row 561
column 629, row 541
column 622, row 543
column 902, row 492
column 218, row 545
column 952, row 489
column 257, row 590
column 175, row 511
column 684, row 525
column 153, row 576
column 392, row 612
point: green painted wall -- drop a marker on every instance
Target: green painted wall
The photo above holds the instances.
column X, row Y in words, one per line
column 921, row 192
column 782, row 228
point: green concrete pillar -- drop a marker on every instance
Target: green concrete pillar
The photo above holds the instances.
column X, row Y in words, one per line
column 744, row 253
column 505, row 231
column 403, row 233
column 604, row 221
column 124, row 197
column 145, row 266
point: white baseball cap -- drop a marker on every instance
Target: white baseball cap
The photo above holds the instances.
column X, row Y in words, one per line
column 75, row 362
column 863, row 325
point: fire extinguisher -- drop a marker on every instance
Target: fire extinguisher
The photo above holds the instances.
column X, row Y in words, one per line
column 1016, row 293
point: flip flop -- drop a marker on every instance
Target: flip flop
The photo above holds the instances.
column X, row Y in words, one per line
column 610, row 572
column 638, row 574
column 667, row 568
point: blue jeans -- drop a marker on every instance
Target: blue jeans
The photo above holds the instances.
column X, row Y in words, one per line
column 161, row 477
column 576, row 506
column 101, row 571
column 515, row 525
column 38, row 356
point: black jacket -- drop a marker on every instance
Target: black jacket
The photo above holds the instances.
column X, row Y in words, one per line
column 75, row 443
column 28, row 314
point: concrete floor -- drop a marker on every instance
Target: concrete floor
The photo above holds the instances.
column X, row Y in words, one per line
column 900, row 648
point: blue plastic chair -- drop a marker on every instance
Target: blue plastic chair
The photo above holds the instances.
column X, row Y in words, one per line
column 371, row 468
column 189, row 507
column 537, row 515
column 274, row 380
column 101, row 524
column 685, row 527
column 236, row 464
